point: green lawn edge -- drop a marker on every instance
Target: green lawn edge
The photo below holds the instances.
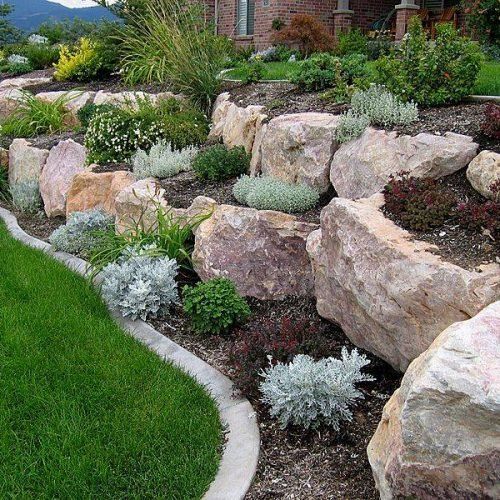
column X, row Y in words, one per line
column 86, row 410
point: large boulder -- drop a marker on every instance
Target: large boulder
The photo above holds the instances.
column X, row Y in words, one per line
column 362, row 167
column 263, row 252
column 96, row 190
column 137, row 204
column 483, row 171
column 241, row 126
column 298, row 148
column 9, row 102
column 439, row 436
column 390, row 293
column 74, row 100
column 65, row 160
column 219, row 115
column 25, row 161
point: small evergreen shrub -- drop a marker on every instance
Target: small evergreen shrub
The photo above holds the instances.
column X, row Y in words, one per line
column 491, row 124
column 115, row 135
column 162, row 161
column 82, row 232
column 87, row 112
column 431, row 72
column 25, row 196
column 351, row 126
column 354, row 67
column 139, row 285
column 382, row 107
column 281, row 340
column 269, row 193
column 215, row 306
column 40, row 55
column 318, row 72
column 420, row 204
column 252, row 71
column 307, row 392
column 218, row 163
column 16, row 64
column 352, row 42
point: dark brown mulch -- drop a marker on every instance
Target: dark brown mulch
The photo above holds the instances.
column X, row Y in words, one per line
column 38, row 224
column 465, row 248
column 295, row 463
column 281, row 98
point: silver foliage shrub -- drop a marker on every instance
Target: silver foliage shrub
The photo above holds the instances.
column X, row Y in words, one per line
column 307, row 392
column 26, row 196
column 269, row 193
column 81, row 233
column 351, row 126
column 139, row 285
column 382, row 107
column 162, row 161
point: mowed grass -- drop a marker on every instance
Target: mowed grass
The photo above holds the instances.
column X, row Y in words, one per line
column 488, row 80
column 85, row 410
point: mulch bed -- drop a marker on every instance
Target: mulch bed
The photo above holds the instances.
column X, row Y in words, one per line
column 295, row 463
column 465, row 248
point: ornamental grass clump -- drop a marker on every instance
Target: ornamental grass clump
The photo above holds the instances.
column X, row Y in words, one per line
column 218, row 163
column 382, row 107
column 139, row 285
column 269, row 193
column 215, row 306
column 25, row 196
column 82, row 233
column 162, row 161
column 307, row 392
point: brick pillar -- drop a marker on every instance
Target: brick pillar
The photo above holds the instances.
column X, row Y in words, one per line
column 405, row 10
column 342, row 17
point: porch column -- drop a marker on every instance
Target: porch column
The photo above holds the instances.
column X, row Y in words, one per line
column 405, row 10
column 342, row 17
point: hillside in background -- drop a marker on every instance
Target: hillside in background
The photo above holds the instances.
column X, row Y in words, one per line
column 29, row 14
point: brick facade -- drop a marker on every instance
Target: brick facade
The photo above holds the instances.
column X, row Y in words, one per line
column 360, row 13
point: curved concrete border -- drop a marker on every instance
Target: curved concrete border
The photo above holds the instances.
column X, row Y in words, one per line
column 239, row 460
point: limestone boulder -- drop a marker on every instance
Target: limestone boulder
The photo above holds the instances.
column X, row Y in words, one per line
column 298, row 148
column 9, row 101
column 363, row 166
column 65, row 160
column 390, row 293
column 262, row 252
column 90, row 190
column 219, row 114
column 137, row 204
column 241, row 126
column 25, row 161
column 439, row 436
column 483, row 171
column 23, row 82
column 74, row 101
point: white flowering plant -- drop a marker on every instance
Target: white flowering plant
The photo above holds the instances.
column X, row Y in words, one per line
column 307, row 393
column 37, row 39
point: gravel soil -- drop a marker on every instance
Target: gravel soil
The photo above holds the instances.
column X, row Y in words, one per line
column 295, row 463
column 465, row 248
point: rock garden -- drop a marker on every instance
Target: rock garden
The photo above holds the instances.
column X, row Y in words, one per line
column 329, row 243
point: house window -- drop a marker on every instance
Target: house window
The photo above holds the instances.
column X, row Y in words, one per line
column 246, row 15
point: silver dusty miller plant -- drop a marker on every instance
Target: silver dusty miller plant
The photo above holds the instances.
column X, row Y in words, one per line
column 382, row 107
column 307, row 392
column 82, row 232
column 26, row 196
column 269, row 193
column 162, row 161
column 351, row 126
column 139, row 285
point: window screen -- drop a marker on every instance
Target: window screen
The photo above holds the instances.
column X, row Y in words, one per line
column 246, row 16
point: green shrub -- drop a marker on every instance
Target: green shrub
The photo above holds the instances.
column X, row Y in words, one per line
column 354, row 67
column 171, row 43
column 379, row 46
column 40, row 55
column 318, row 72
column 87, row 112
column 33, row 117
column 215, row 306
column 115, row 135
column 218, row 163
column 252, row 71
column 269, row 193
column 352, row 42
column 16, row 69
column 431, row 73
column 351, row 126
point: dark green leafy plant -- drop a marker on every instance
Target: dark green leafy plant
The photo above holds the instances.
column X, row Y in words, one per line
column 4, row 184
column 40, row 55
column 352, row 42
column 215, row 306
column 482, row 18
column 87, row 112
column 431, row 73
column 252, row 71
column 218, row 163
column 318, row 72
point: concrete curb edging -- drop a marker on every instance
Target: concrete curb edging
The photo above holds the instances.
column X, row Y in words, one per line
column 241, row 452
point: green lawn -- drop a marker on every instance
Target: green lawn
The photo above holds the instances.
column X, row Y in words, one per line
column 85, row 410
column 488, row 82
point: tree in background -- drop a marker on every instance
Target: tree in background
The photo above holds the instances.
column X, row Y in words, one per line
column 8, row 32
column 483, row 19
